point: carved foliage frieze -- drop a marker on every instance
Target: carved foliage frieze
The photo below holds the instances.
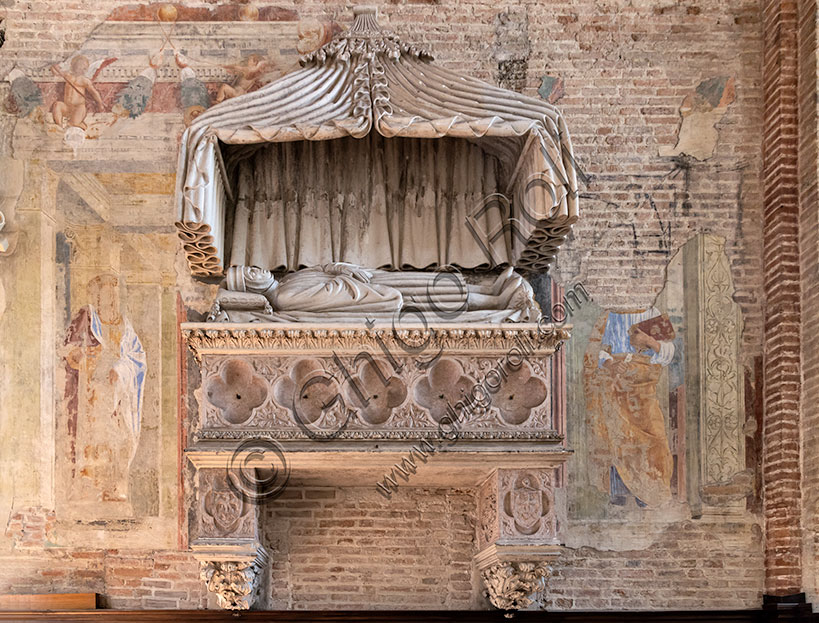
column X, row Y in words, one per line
column 721, row 378
column 487, row 526
column 204, row 339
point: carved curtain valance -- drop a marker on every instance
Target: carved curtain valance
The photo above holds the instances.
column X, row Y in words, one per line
column 367, row 80
column 407, row 211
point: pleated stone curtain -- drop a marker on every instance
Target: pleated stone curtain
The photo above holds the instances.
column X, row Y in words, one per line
column 394, row 203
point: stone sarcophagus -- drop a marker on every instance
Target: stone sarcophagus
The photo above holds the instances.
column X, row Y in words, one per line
column 367, row 216
column 307, row 383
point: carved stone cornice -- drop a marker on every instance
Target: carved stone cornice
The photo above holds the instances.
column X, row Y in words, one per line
column 205, row 338
column 379, row 435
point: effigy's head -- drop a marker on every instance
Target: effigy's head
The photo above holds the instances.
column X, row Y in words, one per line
column 250, row 279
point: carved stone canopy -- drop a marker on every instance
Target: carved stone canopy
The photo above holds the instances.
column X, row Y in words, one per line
column 511, row 202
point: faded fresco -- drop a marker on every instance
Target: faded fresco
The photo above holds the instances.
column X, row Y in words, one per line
column 629, row 447
column 658, row 419
column 114, row 405
column 103, row 125
column 143, row 75
column 105, row 367
column 157, row 60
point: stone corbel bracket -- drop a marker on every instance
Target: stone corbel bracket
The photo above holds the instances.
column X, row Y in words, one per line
column 517, row 534
column 225, row 531
column 235, row 575
column 514, row 575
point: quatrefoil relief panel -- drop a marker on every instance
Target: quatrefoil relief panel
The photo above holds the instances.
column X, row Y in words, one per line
column 444, row 387
column 362, row 396
column 307, row 391
column 236, row 391
column 519, row 393
column 381, row 392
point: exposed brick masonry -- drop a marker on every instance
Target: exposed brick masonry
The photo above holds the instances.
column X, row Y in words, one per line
column 809, row 265
column 351, row 548
column 780, row 461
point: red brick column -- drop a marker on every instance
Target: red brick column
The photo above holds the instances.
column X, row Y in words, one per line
column 809, row 272
column 781, row 434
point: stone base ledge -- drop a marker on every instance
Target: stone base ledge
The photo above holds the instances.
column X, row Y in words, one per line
column 497, row 553
column 305, row 464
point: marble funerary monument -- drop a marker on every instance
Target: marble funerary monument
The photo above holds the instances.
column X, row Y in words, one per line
column 371, row 219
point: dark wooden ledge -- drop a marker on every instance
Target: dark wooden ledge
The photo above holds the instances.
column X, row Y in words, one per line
column 386, row 616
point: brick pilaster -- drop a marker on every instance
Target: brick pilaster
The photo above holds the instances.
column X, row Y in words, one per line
column 809, row 273
column 781, row 434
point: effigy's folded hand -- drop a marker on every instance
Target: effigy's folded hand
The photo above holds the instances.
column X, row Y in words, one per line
column 351, row 270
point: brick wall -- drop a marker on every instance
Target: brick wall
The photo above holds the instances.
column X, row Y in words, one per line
column 691, row 565
column 352, row 549
column 137, row 579
column 626, row 66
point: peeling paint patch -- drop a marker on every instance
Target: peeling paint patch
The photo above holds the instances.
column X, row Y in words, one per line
column 551, row 88
column 701, row 110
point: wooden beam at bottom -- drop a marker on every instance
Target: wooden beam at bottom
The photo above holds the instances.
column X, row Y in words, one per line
column 49, row 601
column 386, row 616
